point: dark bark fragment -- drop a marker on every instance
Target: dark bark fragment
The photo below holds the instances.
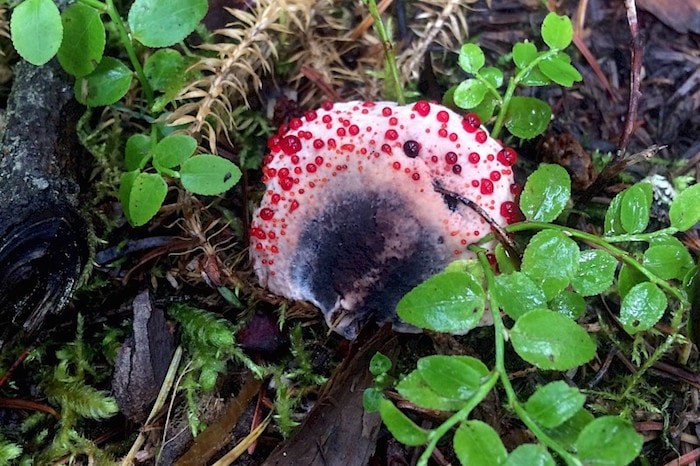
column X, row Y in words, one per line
column 43, row 239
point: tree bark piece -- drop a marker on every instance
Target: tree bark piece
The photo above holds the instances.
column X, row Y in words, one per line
column 43, row 239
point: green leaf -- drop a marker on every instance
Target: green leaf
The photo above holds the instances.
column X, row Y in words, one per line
column 125, row 185
column 476, row 443
column 517, row 294
column 567, row 433
column 608, row 441
column 137, row 151
column 627, row 278
column 208, row 174
column 83, row 40
column 595, row 273
column 557, row 31
column 452, row 377
column 401, row 427
column 173, row 150
column 471, row 58
column 469, row 93
column 635, row 207
column 527, row 117
column 550, row 340
column 685, row 208
column 108, row 83
column 145, row 198
column 161, row 23
column 613, row 225
column 414, row 389
column 555, row 403
column 559, row 70
column 524, row 53
column 668, row 261
column 569, row 304
column 551, row 275
column 447, row 302
column 506, row 264
column 379, row 364
column 534, row 78
column 546, row 192
column 530, row 454
column 164, row 68
column 493, row 76
column 371, row 398
column 486, row 108
column 642, row 307
column 36, row 30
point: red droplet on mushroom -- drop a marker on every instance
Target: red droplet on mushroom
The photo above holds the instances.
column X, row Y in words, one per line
column 365, row 182
column 507, row 156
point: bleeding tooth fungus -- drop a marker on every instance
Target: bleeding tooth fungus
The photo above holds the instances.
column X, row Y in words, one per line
column 350, row 220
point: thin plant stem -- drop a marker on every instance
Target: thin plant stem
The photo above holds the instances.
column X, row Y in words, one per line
column 389, row 52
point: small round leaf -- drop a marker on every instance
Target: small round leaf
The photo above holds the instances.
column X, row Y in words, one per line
column 569, row 304
column 527, row 117
column 145, row 198
column 546, row 192
column 173, row 150
column 161, row 23
column 83, row 40
column 685, row 208
column 530, row 454
column 453, row 377
column 475, row 442
column 539, row 264
column 668, row 261
column 414, row 389
column 36, row 30
column 125, row 185
column 379, row 364
column 551, row 341
column 642, row 307
column 447, row 302
column 595, row 273
column 163, row 68
column 560, row 71
column 108, row 83
column 208, row 174
column 557, row 31
column 609, row 441
column 555, row 403
column 524, row 53
column 493, row 76
column 469, row 93
column 627, row 277
column 471, row 58
column 517, row 294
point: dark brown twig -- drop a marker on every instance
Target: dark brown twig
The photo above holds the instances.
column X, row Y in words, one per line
column 619, row 162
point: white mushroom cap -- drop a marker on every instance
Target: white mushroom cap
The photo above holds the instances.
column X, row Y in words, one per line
column 350, row 219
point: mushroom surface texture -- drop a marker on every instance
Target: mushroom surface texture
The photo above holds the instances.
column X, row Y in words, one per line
column 351, row 220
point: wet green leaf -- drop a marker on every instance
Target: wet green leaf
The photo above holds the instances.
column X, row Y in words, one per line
column 145, row 198
column 527, row 117
column 164, row 68
column 161, row 23
column 517, row 294
column 476, row 443
column 414, row 389
column 555, row 403
column 379, row 364
column 559, row 70
column 530, row 454
column 83, row 40
column 401, row 427
column 36, row 30
column 546, row 192
column 453, row 377
column 567, row 433
column 208, row 174
column 524, row 53
column 642, row 307
column 492, row 75
column 685, row 208
column 627, row 277
column 668, row 261
column 551, row 341
column 471, row 58
column 595, row 273
column 557, row 31
column 551, row 275
column 635, row 207
column 137, row 151
column 609, row 441
column 569, row 304
column 469, row 93
column 446, row 302
column 613, row 225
